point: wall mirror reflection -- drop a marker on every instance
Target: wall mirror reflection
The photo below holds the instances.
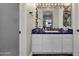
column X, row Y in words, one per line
column 47, row 19
column 67, row 21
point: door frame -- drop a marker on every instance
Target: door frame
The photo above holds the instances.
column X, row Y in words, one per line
column 22, row 27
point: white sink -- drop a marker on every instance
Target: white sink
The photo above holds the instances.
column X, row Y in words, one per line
column 51, row 31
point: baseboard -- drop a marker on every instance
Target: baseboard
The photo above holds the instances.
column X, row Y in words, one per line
column 52, row 54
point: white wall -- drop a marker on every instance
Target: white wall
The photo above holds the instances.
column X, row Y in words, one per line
column 30, row 24
column 75, row 27
column 27, row 22
column 30, row 7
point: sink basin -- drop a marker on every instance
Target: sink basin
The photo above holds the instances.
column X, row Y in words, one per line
column 51, row 31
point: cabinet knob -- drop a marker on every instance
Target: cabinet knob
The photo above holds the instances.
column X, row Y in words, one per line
column 19, row 32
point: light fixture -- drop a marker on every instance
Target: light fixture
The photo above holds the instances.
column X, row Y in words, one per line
column 53, row 5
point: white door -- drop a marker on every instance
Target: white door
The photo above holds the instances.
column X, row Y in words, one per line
column 9, row 29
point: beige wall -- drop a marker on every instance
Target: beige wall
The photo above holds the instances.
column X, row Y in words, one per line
column 30, row 24
column 26, row 25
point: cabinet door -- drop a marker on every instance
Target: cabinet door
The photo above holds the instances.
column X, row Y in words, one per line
column 36, row 42
column 51, row 44
column 67, row 43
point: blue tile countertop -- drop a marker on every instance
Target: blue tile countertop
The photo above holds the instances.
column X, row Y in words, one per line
column 61, row 31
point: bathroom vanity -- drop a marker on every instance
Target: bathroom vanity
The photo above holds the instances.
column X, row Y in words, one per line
column 53, row 43
column 53, row 33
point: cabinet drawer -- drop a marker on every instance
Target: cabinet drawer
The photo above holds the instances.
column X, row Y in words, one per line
column 52, row 36
column 36, row 36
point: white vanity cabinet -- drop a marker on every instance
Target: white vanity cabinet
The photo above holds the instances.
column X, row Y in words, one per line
column 67, row 43
column 37, row 42
column 52, row 43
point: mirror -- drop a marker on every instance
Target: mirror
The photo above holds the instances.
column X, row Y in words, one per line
column 58, row 17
